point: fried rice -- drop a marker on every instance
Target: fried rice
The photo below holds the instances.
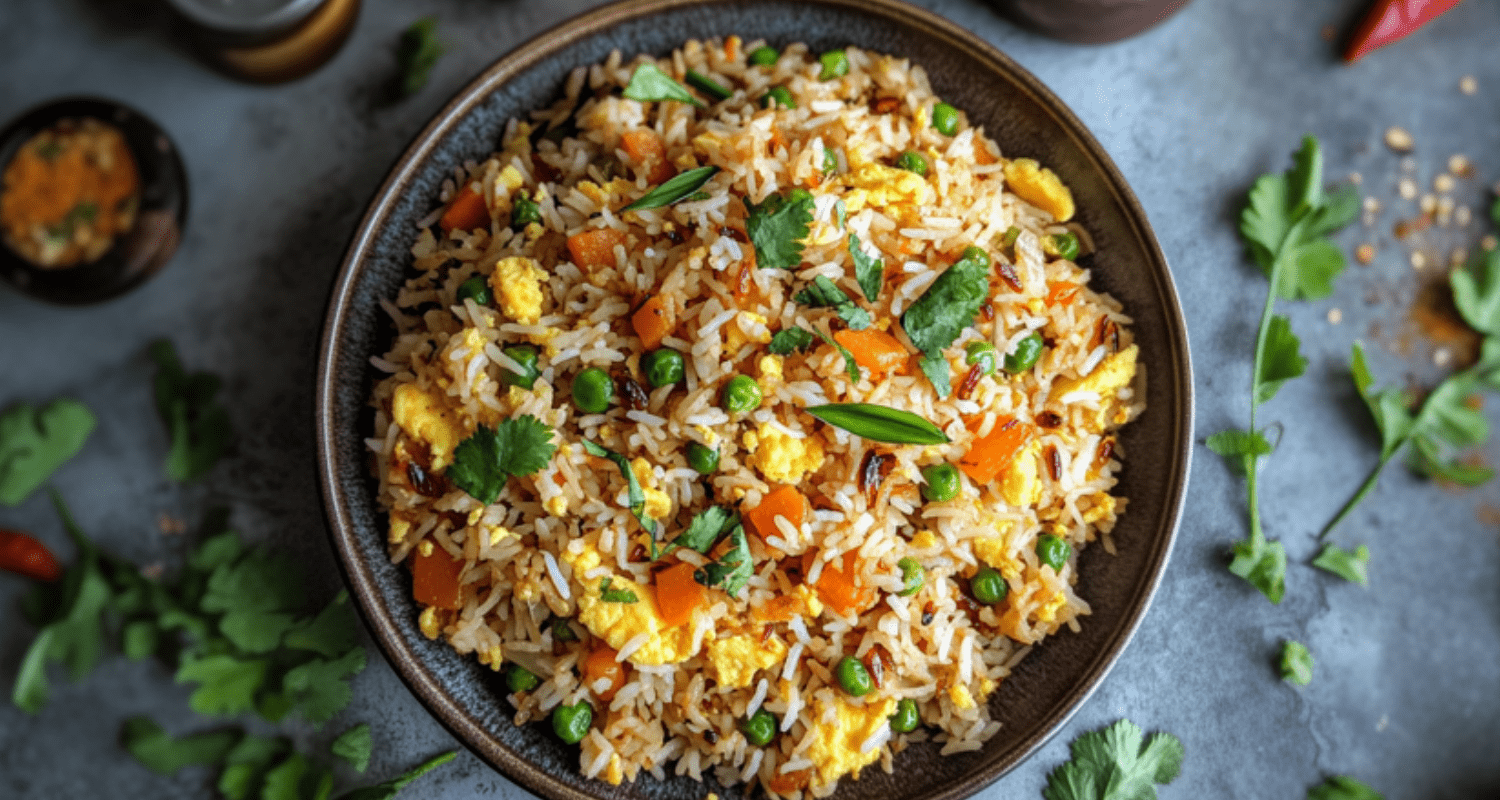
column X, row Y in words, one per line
column 532, row 572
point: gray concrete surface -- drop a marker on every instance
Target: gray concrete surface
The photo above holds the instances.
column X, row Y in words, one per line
column 1407, row 688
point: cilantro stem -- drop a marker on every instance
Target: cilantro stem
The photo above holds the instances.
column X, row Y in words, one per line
column 1364, row 489
column 1278, row 264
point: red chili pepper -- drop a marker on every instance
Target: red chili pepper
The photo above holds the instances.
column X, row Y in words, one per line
column 1390, row 21
column 24, row 555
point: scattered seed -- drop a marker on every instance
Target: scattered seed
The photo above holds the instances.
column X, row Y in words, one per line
column 1428, row 204
column 1365, row 253
column 1398, row 139
column 1458, row 256
column 1459, row 165
column 1442, row 356
column 1444, row 210
column 1356, row 178
column 1408, row 188
column 1372, row 205
column 1335, row 316
column 1418, row 261
column 1468, row 85
column 1462, row 215
column 1488, row 242
column 1442, row 183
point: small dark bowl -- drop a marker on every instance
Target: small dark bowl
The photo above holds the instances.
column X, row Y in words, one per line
column 1022, row 115
column 136, row 255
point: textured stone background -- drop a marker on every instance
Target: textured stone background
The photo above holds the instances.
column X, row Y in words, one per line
column 1406, row 690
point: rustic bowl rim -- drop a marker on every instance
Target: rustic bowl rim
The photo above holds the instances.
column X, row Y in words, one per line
column 423, row 682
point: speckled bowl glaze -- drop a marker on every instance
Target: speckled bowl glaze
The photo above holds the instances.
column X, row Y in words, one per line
column 1014, row 108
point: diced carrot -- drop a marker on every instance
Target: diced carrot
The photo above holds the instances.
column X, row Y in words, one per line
column 785, row 501
column 877, row 351
column 1061, row 293
column 596, row 248
column 651, row 322
column 786, row 783
column 649, row 152
column 467, row 212
column 837, row 588
column 745, row 292
column 677, row 594
column 602, row 663
column 435, row 578
column 993, row 454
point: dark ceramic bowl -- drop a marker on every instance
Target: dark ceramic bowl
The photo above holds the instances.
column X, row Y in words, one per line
column 1014, row 108
column 139, row 253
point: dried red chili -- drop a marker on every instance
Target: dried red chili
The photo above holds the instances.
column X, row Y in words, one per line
column 24, row 555
column 1390, row 21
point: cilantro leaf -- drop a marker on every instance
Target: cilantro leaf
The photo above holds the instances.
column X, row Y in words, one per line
column 198, row 425
column 164, row 755
column 733, row 569
column 256, row 631
column 333, row 632
column 1296, row 663
column 1116, row 764
column 34, row 442
column 705, row 529
column 1476, row 292
column 387, row 790
column 1263, row 564
column 1282, row 361
column 416, row 53
column 1341, row 787
column 841, row 213
column 948, row 306
column 259, row 581
column 850, row 365
column 227, row 684
column 777, row 227
column 868, row 271
column 354, row 746
column 483, row 462
column 1239, row 448
column 935, row 367
column 824, row 293
column 1286, row 219
column 296, row 778
column 245, row 766
column 1446, row 422
column 31, row 689
column 789, row 340
column 1389, row 408
column 609, row 595
column 320, row 688
column 1353, row 567
column 635, row 497
column 649, row 84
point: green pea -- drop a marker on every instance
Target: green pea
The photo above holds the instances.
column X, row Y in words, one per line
column 524, row 212
column 830, row 161
column 942, row 482
column 977, row 255
column 760, row 728
column 593, row 390
column 703, row 459
column 764, row 56
column 571, row 723
column 779, row 96
column 1052, row 550
column 988, row 586
column 526, row 356
column 1025, row 355
column 520, row 679
column 945, row 119
column 912, row 575
column 741, row 395
column 476, row 289
column 663, row 367
column 907, row 718
column 912, row 161
column 853, row 677
column 984, row 354
column 835, row 65
column 1063, row 245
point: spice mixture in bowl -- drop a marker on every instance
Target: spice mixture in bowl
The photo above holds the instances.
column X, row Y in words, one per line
column 749, row 410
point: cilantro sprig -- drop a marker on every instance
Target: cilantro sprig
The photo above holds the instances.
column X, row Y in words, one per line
column 635, row 496
column 790, row 340
column 705, row 529
column 198, row 425
column 734, row 569
column 1296, row 663
column 1285, row 225
column 824, row 293
column 948, row 306
column 610, row 595
column 416, row 53
column 869, row 271
column 777, row 227
column 35, row 442
column 1116, row 763
column 1343, row 787
column 649, row 84
column 516, row 447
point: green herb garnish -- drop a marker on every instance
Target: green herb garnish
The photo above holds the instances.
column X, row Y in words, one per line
column 162, row 754
column 516, row 447
column 354, row 746
column 416, row 54
column 34, row 442
column 198, row 425
column 1353, row 567
column 635, row 496
column 705, row 529
column 708, row 85
column 777, row 227
column 945, row 309
column 824, row 293
column 1296, row 663
column 1285, row 225
column 649, row 84
column 1116, row 763
column 677, row 188
column 733, row 569
column 389, row 789
column 609, row 595
column 851, row 366
column 789, row 340
column 1342, row 787
column 935, row 367
column 869, row 272
column 879, row 423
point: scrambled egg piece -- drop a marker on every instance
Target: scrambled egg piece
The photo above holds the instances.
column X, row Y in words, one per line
column 1021, row 485
column 658, row 503
column 896, row 192
column 400, row 527
column 618, row 623
column 1114, row 373
column 1040, row 187
column 782, row 458
column 1103, row 507
column 425, row 417
column 517, row 282
column 772, row 372
column 733, row 661
column 991, row 550
column 614, row 774
column 1049, row 609
column 810, row 600
column 735, row 336
column 511, row 177
column 961, row 697
column 923, row 539
column 835, row 750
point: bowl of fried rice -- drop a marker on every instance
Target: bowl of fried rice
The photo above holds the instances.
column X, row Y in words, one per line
column 754, row 396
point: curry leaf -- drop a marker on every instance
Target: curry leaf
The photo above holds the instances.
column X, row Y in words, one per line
column 674, row 189
column 879, row 423
column 34, row 442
